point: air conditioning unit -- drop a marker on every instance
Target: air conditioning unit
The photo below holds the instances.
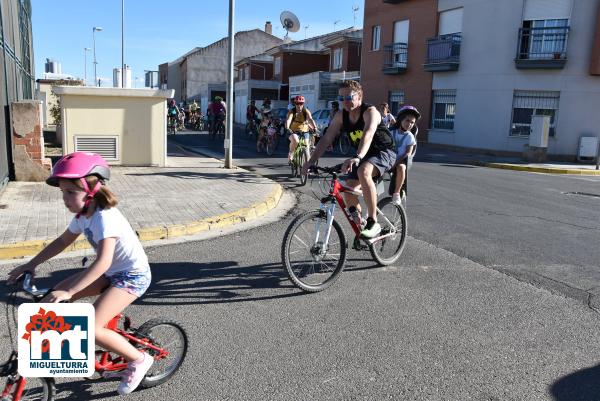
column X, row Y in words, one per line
column 588, row 148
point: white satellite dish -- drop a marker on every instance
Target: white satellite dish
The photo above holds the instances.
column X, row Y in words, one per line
column 290, row 22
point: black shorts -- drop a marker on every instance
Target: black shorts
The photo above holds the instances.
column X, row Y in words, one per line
column 383, row 161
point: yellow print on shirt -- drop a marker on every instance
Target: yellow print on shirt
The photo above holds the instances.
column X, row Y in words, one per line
column 355, row 137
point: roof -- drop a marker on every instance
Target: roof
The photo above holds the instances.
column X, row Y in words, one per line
column 314, row 44
column 259, row 58
column 354, row 36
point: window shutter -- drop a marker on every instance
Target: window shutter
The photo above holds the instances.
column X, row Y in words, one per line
column 547, row 9
column 451, row 21
column 401, row 31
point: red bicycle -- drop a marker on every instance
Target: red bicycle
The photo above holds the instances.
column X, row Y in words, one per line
column 164, row 339
column 314, row 246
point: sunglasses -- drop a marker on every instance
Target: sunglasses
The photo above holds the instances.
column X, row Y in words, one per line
column 347, row 98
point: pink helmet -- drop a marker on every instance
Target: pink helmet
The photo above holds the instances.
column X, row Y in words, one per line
column 79, row 165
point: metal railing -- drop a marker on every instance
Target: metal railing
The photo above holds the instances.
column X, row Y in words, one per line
column 395, row 56
column 548, row 43
column 444, row 49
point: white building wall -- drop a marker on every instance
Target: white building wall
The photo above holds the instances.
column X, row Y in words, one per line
column 487, row 78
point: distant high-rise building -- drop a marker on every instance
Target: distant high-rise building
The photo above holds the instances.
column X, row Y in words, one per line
column 151, row 79
column 53, row 66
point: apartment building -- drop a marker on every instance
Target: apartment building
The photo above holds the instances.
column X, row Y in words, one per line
column 493, row 66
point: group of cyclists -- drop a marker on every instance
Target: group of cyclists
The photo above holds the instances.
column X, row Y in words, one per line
column 179, row 117
column 382, row 142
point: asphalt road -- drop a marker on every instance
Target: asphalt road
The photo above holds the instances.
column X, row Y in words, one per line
column 442, row 324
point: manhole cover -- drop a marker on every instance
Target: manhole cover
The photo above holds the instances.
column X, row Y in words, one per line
column 582, row 194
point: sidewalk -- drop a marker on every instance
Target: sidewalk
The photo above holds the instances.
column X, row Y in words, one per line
column 435, row 154
column 193, row 194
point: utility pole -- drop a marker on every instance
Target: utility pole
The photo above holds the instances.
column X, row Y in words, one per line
column 230, row 107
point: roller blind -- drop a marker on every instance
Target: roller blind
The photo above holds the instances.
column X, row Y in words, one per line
column 451, row 21
column 547, row 9
column 401, row 31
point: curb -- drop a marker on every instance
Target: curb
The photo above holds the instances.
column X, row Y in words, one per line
column 547, row 170
column 30, row 248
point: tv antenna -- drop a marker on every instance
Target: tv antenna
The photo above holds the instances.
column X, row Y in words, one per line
column 290, row 22
column 354, row 10
column 335, row 23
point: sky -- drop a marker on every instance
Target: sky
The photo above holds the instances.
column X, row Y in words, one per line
column 157, row 32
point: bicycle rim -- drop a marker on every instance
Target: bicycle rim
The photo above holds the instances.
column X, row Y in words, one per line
column 389, row 249
column 270, row 146
column 169, row 336
column 310, row 264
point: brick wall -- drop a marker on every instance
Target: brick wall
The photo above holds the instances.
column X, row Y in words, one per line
column 28, row 141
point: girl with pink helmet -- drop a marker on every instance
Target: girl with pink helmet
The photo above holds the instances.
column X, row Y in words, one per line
column 120, row 274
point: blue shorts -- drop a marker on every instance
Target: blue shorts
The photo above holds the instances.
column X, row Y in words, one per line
column 132, row 282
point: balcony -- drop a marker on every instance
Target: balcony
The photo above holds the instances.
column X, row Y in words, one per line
column 443, row 53
column 544, row 48
column 395, row 58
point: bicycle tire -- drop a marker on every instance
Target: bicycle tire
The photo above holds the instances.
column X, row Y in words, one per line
column 145, row 331
column 270, row 146
column 344, row 144
column 397, row 241
column 299, row 279
column 303, row 177
column 46, row 384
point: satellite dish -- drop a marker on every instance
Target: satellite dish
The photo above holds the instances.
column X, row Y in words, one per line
column 290, row 22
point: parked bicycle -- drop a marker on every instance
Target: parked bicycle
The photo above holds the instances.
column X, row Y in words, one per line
column 314, row 246
column 163, row 339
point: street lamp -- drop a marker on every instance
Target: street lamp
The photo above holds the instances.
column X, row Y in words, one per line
column 85, row 50
column 94, row 29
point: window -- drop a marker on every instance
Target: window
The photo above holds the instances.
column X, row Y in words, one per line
column 529, row 103
column 544, row 39
column 376, row 43
column 396, row 100
column 277, row 66
column 444, row 109
column 337, row 59
column 247, row 72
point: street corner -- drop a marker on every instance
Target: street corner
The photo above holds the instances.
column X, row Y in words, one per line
column 539, row 169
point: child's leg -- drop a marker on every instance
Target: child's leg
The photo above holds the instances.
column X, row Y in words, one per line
column 112, row 302
column 400, row 175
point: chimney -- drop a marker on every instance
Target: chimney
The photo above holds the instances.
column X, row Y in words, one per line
column 269, row 28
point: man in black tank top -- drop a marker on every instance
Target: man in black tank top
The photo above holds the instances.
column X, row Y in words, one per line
column 374, row 147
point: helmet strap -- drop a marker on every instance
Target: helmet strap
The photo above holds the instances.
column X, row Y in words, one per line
column 89, row 197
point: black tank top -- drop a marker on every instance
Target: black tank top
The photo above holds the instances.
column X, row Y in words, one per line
column 382, row 139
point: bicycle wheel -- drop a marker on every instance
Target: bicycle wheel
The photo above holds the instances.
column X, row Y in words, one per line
column 302, row 159
column 270, row 147
column 38, row 389
column 310, row 264
column 344, row 144
column 170, row 336
column 389, row 249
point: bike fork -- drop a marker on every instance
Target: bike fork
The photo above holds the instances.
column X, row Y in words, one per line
column 329, row 209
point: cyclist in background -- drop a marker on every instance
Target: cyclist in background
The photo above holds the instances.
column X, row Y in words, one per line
column 173, row 112
column 217, row 111
column 251, row 112
column 374, row 144
column 299, row 121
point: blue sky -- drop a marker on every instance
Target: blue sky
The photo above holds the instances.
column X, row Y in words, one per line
column 156, row 32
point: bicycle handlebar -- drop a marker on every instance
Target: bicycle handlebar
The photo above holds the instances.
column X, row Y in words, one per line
column 30, row 288
column 337, row 169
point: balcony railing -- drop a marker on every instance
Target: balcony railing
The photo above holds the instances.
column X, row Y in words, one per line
column 395, row 58
column 443, row 53
column 542, row 47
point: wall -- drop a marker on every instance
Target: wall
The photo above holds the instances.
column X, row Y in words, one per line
column 415, row 82
column 28, row 141
column 487, row 78
column 209, row 64
column 136, row 116
column 302, row 63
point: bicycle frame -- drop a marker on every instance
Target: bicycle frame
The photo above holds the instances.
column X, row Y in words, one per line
column 328, row 205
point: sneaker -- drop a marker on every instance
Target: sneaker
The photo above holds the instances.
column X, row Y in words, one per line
column 133, row 375
column 372, row 229
column 396, row 200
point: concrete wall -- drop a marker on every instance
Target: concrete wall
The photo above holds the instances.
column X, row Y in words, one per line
column 174, row 79
column 137, row 117
column 28, row 141
column 243, row 92
column 209, row 64
column 487, row 78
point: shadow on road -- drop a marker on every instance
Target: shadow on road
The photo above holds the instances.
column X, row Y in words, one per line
column 582, row 385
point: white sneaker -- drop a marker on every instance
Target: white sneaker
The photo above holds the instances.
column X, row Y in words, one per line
column 396, row 199
column 133, row 375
